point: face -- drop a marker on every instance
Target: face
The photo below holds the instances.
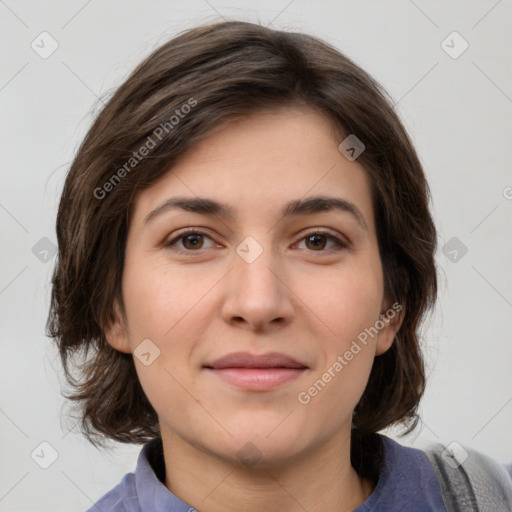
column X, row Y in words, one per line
column 247, row 311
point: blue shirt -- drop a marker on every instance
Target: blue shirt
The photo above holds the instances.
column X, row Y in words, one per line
column 406, row 482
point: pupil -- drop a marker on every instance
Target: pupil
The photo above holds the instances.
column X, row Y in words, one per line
column 316, row 237
column 194, row 242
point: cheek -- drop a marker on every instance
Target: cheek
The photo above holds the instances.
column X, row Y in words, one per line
column 348, row 301
column 158, row 299
column 167, row 308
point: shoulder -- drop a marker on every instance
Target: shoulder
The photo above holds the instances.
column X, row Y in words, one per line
column 122, row 498
column 406, row 477
column 439, row 478
column 131, row 494
column 471, row 479
column 143, row 490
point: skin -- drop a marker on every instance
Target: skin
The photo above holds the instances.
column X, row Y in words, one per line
column 304, row 300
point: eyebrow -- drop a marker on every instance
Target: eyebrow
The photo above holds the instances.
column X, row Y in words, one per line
column 207, row 206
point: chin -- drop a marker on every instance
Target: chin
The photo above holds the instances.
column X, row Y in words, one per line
column 265, row 445
column 257, row 455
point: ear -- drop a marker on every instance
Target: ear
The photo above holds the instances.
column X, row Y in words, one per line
column 116, row 332
column 391, row 319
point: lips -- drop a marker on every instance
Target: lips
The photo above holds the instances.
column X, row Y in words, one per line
column 252, row 372
column 247, row 360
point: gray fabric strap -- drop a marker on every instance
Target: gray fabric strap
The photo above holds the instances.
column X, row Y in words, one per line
column 458, row 495
column 470, row 481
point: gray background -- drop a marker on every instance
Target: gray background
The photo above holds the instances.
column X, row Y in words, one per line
column 457, row 110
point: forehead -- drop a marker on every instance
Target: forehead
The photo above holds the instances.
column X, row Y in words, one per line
column 261, row 162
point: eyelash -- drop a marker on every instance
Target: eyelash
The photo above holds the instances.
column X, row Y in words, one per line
column 340, row 243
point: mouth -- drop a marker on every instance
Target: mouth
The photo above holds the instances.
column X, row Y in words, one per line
column 252, row 372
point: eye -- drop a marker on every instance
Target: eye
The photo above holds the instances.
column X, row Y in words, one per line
column 192, row 239
column 317, row 240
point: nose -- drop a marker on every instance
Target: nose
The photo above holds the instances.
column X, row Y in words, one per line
column 257, row 296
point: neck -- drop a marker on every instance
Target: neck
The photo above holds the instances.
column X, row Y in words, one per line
column 319, row 481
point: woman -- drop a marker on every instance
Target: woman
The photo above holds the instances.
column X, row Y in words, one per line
column 246, row 253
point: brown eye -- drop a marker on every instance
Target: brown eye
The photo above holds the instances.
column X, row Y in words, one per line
column 318, row 241
column 189, row 241
column 192, row 241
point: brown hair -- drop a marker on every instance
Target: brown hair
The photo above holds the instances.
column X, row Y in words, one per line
column 220, row 72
